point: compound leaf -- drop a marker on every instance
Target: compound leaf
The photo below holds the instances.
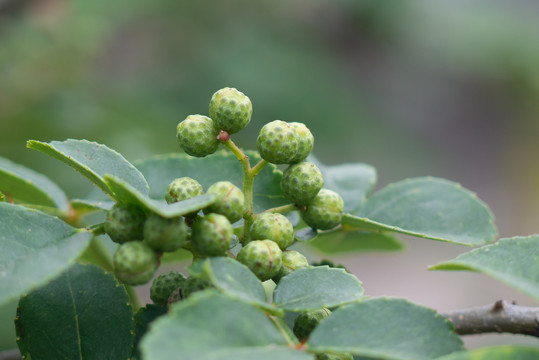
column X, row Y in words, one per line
column 29, row 187
column 210, row 325
column 34, row 248
column 221, row 166
column 513, row 261
column 388, row 328
column 83, row 314
column 93, row 160
column 345, row 241
column 503, row 352
column 316, row 287
column 427, row 207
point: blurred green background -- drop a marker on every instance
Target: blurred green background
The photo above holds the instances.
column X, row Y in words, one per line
column 446, row 88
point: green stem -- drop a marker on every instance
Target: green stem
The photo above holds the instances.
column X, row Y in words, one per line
column 284, row 330
column 133, row 297
column 258, row 167
column 282, row 209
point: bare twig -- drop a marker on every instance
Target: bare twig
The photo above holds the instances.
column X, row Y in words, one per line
column 502, row 317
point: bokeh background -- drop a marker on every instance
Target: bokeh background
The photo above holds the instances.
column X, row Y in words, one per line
column 446, row 88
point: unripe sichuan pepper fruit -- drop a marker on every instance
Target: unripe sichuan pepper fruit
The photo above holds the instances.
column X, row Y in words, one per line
column 165, row 234
column 182, row 189
column 231, row 110
column 134, row 263
column 197, row 135
column 230, row 201
column 262, row 257
column 164, row 285
column 325, row 211
column 301, row 182
column 292, row 260
column 212, row 235
column 305, row 141
column 307, row 321
column 124, row 223
column 278, row 142
column 273, row 226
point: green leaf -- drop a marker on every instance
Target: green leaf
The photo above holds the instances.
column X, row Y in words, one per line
column 233, row 278
column 353, row 181
column 29, row 187
column 83, row 314
column 503, row 352
column 316, row 287
column 89, row 206
column 427, row 207
column 210, row 325
column 345, row 241
column 306, row 234
column 129, row 195
column 34, row 248
column 513, row 261
column 143, row 318
column 221, row 166
column 93, row 160
column 388, row 328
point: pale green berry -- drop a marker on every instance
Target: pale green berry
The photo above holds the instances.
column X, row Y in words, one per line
column 231, row 110
column 165, row 234
column 230, row 201
column 301, row 182
column 325, row 211
column 273, row 226
column 134, row 263
column 292, row 260
column 278, row 142
column 305, row 141
column 262, row 257
column 164, row 285
column 197, row 135
column 212, row 235
column 124, row 223
column 182, row 189
column 307, row 321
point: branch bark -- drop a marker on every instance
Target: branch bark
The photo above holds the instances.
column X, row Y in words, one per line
column 502, row 317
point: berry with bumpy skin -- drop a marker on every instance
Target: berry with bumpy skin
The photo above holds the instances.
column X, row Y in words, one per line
column 212, row 235
column 230, row 201
column 134, row 263
column 197, row 135
column 192, row 285
column 165, row 234
column 182, row 189
column 164, row 285
column 301, row 182
column 326, row 356
column 278, row 142
column 325, row 211
column 305, row 141
column 307, row 321
column 275, row 227
column 124, row 223
column 263, row 257
column 292, row 260
column 231, row 110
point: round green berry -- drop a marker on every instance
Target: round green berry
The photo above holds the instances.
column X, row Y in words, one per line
column 124, row 223
column 182, row 189
column 275, row 227
column 305, row 141
column 301, row 182
column 212, row 235
column 278, row 142
column 165, row 234
column 134, row 263
column 263, row 257
column 325, row 211
column 197, row 135
column 164, row 285
column 192, row 285
column 230, row 201
column 231, row 110
column 292, row 260
column 307, row 321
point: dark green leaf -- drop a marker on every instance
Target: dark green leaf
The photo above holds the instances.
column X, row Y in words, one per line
column 29, row 187
column 161, row 170
column 129, row 195
column 388, row 328
column 93, row 160
column 353, row 181
column 344, row 241
column 83, row 314
column 34, row 248
column 503, row 352
column 427, row 207
column 233, row 278
column 317, row 287
column 513, row 261
column 306, row 234
column 143, row 318
column 213, row 326
column 89, row 206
